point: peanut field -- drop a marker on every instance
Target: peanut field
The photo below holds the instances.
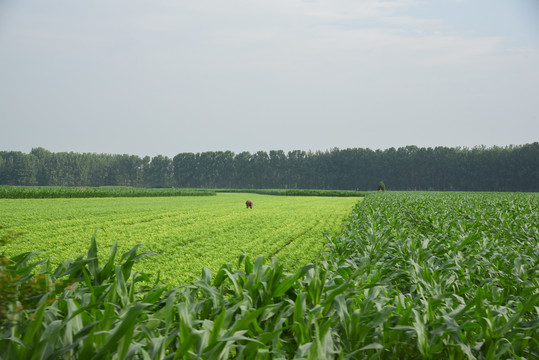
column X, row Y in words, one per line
column 187, row 233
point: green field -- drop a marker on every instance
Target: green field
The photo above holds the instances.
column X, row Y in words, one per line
column 412, row 275
column 47, row 192
column 187, row 233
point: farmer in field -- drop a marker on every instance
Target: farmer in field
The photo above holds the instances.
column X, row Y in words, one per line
column 249, row 204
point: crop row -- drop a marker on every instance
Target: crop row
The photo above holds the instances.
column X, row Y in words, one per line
column 450, row 276
column 188, row 233
column 47, row 192
column 299, row 192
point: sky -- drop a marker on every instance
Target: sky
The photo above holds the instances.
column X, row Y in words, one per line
column 162, row 77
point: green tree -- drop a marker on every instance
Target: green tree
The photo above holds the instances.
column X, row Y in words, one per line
column 244, row 172
column 185, row 170
column 158, row 173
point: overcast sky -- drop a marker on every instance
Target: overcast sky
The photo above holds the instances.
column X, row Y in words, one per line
column 165, row 77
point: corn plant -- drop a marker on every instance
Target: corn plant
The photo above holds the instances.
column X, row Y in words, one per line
column 46, row 192
column 413, row 276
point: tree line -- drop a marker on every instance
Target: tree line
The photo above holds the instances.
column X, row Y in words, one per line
column 510, row 168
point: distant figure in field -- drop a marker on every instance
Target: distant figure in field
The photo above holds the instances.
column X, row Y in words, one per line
column 249, row 204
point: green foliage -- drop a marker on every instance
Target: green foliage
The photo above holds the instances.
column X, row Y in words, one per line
column 17, row 288
column 297, row 192
column 47, row 192
column 455, row 274
column 77, row 310
column 415, row 275
column 511, row 168
column 188, row 233
column 449, row 276
column 50, row 192
column 381, row 186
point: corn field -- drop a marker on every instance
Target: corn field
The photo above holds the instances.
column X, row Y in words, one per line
column 413, row 276
column 48, row 192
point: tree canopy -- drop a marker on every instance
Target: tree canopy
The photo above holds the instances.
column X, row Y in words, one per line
column 511, row 168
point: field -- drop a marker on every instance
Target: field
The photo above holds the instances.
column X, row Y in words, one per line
column 187, row 233
column 411, row 276
column 48, row 192
column 51, row 192
column 445, row 275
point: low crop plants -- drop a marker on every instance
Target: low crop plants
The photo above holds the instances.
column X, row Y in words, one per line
column 188, row 233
